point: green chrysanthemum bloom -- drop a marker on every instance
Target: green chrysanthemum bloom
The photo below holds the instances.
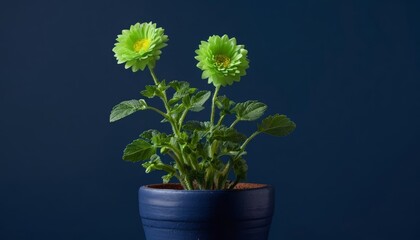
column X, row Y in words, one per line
column 222, row 60
column 140, row 46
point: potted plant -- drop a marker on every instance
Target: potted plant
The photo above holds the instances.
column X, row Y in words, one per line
column 202, row 155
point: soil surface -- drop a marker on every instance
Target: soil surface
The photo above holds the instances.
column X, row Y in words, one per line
column 177, row 186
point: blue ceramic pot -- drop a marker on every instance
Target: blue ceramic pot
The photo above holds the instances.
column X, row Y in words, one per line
column 240, row 214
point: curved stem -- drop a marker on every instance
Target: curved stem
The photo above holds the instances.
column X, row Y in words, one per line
column 182, row 176
column 233, row 184
column 175, row 151
column 165, row 99
column 242, row 149
column 181, row 120
column 234, row 123
column 213, row 105
column 158, row 111
column 220, row 120
column 175, row 127
column 249, row 139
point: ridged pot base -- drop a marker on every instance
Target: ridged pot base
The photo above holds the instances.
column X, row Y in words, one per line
column 168, row 213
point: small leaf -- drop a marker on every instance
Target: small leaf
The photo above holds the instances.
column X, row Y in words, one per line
column 177, row 85
column 155, row 137
column 182, row 89
column 162, row 86
column 176, row 111
column 138, row 150
column 167, row 178
column 152, row 164
column 277, row 125
column 224, row 104
column 186, row 100
column 160, row 139
column 249, row 110
column 195, row 125
column 228, row 134
column 172, row 101
column 147, row 135
column 126, row 108
column 156, row 164
column 151, row 91
column 200, row 98
column 196, row 108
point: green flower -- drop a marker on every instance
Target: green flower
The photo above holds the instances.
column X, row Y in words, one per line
column 222, row 60
column 140, row 46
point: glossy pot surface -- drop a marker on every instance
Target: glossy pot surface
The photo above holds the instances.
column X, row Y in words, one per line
column 240, row 214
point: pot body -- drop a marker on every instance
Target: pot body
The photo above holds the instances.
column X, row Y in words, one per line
column 206, row 214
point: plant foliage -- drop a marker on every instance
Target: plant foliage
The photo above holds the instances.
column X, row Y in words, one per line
column 203, row 153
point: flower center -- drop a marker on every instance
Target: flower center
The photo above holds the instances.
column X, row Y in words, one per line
column 141, row 45
column 222, row 61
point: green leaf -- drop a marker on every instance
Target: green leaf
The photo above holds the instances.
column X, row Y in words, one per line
column 277, row 125
column 182, row 89
column 172, row 101
column 167, row 178
column 200, row 98
column 138, row 150
column 126, row 108
column 155, row 137
column 225, row 105
column 162, row 86
column 152, row 164
column 195, row 103
column 160, row 139
column 197, row 130
column 176, row 111
column 231, row 149
column 228, row 134
column 178, row 85
column 240, row 169
column 196, row 125
column 147, row 135
column 249, row 110
column 156, row 164
column 151, row 91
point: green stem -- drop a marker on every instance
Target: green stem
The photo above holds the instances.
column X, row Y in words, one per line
column 158, row 111
column 167, row 168
column 188, row 183
column 183, row 176
column 234, row 123
column 249, row 139
column 181, row 120
column 175, row 157
column 180, row 167
column 213, row 105
column 220, row 120
column 175, row 127
column 175, row 151
column 166, row 116
column 232, row 185
column 155, row 79
column 165, row 99
column 182, row 159
column 224, row 175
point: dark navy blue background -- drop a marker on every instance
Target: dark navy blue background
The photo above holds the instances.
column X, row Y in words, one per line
column 346, row 72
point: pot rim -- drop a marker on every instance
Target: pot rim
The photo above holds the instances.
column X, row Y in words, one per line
column 149, row 187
